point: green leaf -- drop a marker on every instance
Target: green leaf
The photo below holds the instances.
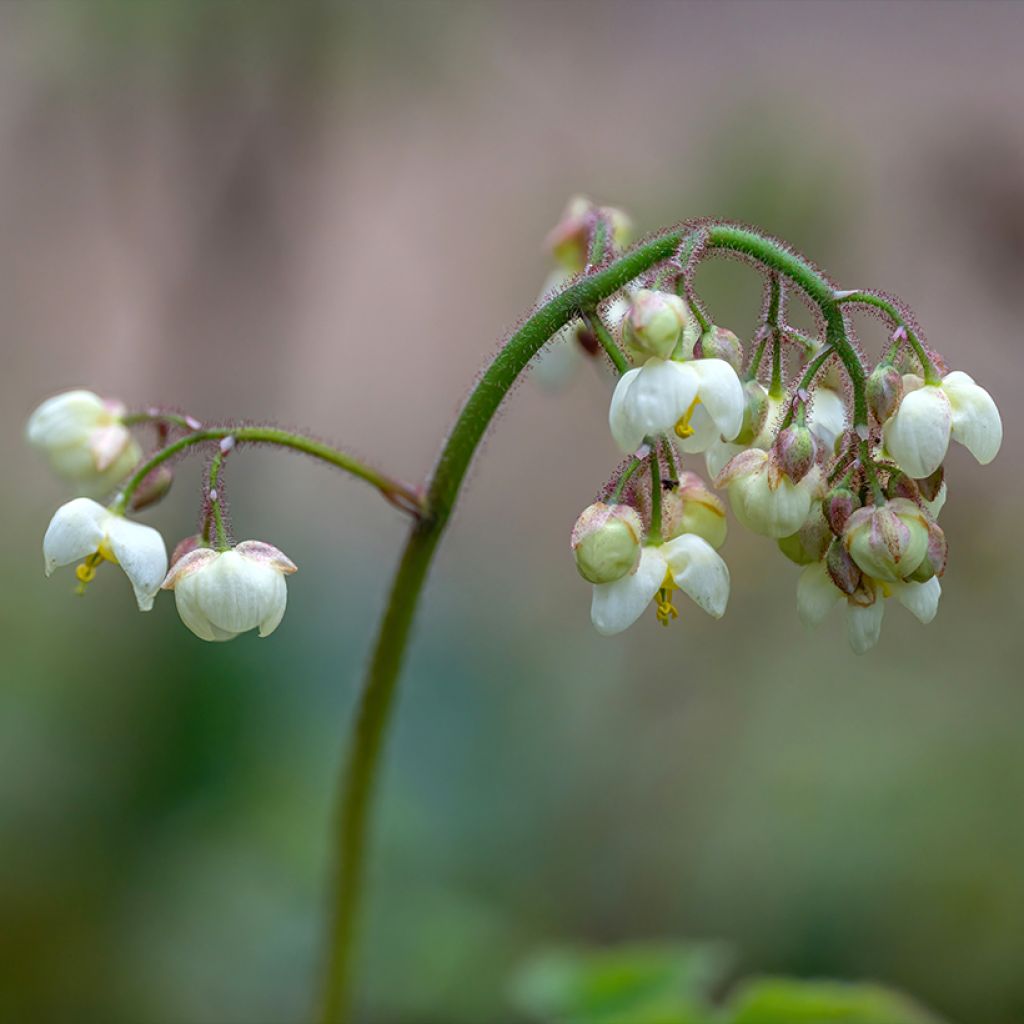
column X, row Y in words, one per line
column 634, row 984
column 785, row 1001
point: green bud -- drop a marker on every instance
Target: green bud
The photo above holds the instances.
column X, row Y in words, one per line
column 655, row 322
column 606, row 542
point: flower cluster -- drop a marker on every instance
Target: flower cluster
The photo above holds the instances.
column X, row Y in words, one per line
column 848, row 480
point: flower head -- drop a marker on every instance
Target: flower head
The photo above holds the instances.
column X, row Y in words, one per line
column 83, row 530
column 220, row 594
column 85, row 439
column 697, row 402
column 687, row 563
column 917, row 434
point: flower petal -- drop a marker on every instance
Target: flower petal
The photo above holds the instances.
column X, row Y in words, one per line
column 141, row 553
column 186, row 599
column 976, row 422
column 276, row 606
column 75, row 531
column 920, row 599
column 237, row 593
column 699, row 572
column 917, row 435
column 616, row 606
column 816, row 594
column 705, row 432
column 65, row 419
column 188, row 563
column 718, row 455
column 650, row 400
column 827, row 419
column 864, row 624
column 721, row 393
column 267, row 554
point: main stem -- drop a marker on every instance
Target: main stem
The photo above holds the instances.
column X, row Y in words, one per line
column 377, row 698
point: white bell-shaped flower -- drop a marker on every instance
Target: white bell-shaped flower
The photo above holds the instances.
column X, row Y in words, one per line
column 220, row 594
column 688, row 563
column 697, row 401
column 717, row 456
column 85, row 440
column 84, row 531
column 827, row 417
column 816, row 595
column 917, row 434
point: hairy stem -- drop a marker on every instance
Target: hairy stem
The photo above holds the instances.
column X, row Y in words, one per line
column 892, row 311
column 595, row 324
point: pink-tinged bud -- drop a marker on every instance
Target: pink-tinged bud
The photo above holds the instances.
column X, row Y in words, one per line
column 842, row 569
column 884, row 391
column 809, row 544
column 930, row 485
column 153, row 488
column 888, row 542
column 691, row 507
column 899, row 485
column 837, row 506
column 569, row 241
column 606, row 542
column 655, row 322
column 720, row 343
column 934, row 561
column 795, row 451
column 755, row 409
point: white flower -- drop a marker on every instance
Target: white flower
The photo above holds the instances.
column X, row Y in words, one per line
column 827, row 417
column 763, row 498
column 816, row 595
column 697, row 401
column 85, row 439
column 84, row 529
column 687, row 563
column 917, row 435
column 717, row 457
column 220, row 594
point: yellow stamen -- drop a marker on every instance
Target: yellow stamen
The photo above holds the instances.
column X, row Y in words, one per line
column 87, row 571
column 885, row 588
column 666, row 611
column 683, row 428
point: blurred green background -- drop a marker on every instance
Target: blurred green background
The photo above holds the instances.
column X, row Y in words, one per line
column 327, row 216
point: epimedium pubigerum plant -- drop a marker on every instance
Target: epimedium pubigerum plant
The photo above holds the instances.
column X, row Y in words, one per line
column 838, row 461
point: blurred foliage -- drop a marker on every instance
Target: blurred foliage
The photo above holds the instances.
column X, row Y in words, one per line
column 677, row 984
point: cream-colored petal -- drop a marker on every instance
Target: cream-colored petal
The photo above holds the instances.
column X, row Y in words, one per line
column 186, row 599
column 920, row 599
column 141, row 552
column 976, row 422
column 236, row 593
column 827, row 419
column 616, row 606
column 773, row 511
column 188, row 563
column 864, row 625
column 107, row 444
column 718, row 455
column 706, row 432
column 721, row 393
column 276, row 604
column 65, row 419
column 699, row 572
column 650, row 400
column 816, row 594
column 261, row 551
column 623, row 430
column 75, row 531
column 917, row 435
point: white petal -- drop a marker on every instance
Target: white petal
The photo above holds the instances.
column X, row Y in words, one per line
column 276, row 604
column 816, row 594
column 721, row 393
column 76, row 530
column 716, row 457
column 976, row 422
column 236, row 593
column 705, row 432
column 616, row 606
column 864, row 625
column 920, row 599
column 65, row 419
column 186, row 599
column 771, row 511
column 699, row 572
column 827, row 419
column 935, row 506
column 917, row 435
column 650, row 401
column 141, row 553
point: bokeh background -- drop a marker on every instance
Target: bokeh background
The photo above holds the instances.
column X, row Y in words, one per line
column 327, row 216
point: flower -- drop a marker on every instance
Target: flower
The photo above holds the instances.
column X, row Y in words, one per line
column 689, row 506
column 569, row 240
column 889, row 542
column 606, row 542
column 85, row 439
column 816, row 595
column 917, row 434
column 220, row 594
column 687, row 563
column 762, row 415
column 763, row 497
column 84, row 529
column 698, row 401
column 827, row 417
column 655, row 323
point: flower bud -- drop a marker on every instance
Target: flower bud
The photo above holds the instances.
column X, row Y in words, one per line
column 655, row 322
column 755, row 410
column 842, row 569
column 763, row 497
column 838, row 505
column 899, row 485
column 691, row 507
column 569, row 241
column 153, row 488
column 809, row 544
column 934, row 561
column 888, row 542
column 795, row 450
column 606, row 542
column 930, row 485
column 884, row 390
column 720, row 343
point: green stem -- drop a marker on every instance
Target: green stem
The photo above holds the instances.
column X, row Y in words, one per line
column 399, row 494
column 892, row 311
column 377, row 699
column 774, row 315
column 595, row 324
column 216, row 502
column 807, row 379
column 654, row 534
column 132, row 419
column 627, row 473
column 670, row 457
